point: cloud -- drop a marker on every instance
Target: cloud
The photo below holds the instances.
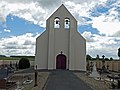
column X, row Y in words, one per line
column 105, row 17
column 49, row 3
column 107, row 28
column 37, row 11
column 5, row 30
column 88, row 36
column 2, row 18
column 18, row 1
column 29, row 11
column 117, row 34
column 18, row 45
column 101, row 45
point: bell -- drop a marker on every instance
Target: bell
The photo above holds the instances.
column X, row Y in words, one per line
column 57, row 22
column 66, row 21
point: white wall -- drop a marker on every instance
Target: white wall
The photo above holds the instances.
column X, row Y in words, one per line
column 41, row 56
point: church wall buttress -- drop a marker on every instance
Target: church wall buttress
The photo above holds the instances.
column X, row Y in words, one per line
column 51, row 45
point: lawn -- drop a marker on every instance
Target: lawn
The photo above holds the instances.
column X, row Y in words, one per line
column 16, row 58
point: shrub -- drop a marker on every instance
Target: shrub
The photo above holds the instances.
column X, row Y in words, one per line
column 24, row 63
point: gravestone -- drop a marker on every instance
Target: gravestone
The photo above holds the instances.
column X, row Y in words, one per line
column 2, row 84
column 3, row 73
column 94, row 73
column 91, row 66
column 119, row 83
column 19, row 87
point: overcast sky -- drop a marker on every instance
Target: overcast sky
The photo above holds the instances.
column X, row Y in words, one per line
column 21, row 21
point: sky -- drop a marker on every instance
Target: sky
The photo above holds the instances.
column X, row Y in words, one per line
column 22, row 21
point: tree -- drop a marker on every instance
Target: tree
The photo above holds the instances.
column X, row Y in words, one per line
column 97, row 57
column 119, row 53
column 111, row 58
column 24, row 63
column 106, row 59
column 88, row 57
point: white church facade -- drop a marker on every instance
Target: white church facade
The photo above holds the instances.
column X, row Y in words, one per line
column 61, row 46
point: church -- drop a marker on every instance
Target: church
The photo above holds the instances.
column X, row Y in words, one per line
column 61, row 46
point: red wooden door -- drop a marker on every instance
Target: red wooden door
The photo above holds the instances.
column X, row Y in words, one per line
column 61, row 61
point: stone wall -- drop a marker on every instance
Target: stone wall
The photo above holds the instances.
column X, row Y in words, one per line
column 113, row 65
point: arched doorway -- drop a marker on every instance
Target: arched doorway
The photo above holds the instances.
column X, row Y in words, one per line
column 61, row 61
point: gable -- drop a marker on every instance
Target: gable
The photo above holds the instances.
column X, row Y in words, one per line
column 62, row 12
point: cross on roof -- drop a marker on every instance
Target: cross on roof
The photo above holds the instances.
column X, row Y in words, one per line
column 61, row 52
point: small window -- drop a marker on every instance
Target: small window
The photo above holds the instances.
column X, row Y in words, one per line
column 67, row 23
column 56, row 22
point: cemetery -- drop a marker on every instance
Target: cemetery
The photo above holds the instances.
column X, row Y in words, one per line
column 99, row 74
column 107, row 71
column 13, row 78
column 108, row 77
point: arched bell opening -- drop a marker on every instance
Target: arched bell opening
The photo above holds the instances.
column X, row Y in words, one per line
column 57, row 22
column 67, row 23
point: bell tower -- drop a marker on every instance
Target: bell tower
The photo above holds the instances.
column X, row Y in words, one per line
column 61, row 19
column 60, row 25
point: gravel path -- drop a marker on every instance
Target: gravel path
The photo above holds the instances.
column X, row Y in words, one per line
column 94, row 84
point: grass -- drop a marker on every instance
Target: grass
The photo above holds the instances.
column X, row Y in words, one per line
column 8, row 58
column 14, row 58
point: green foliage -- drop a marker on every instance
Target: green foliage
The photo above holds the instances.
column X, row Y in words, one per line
column 23, row 56
column 2, row 56
column 106, row 59
column 97, row 57
column 8, row 58
column 24, row 63
column 88, row 57
column 17, row 58
column 111, row 58
column 31, row 58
